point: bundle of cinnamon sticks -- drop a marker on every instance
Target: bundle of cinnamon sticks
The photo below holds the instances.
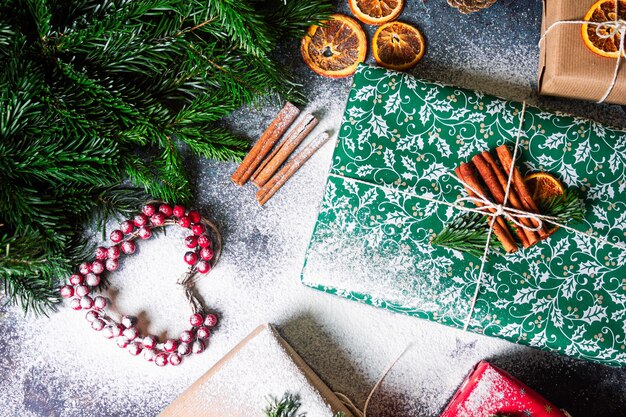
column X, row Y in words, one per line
column 269, row 171
column 489, row 176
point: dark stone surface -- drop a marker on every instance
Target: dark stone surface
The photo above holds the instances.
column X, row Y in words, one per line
column 495, row 51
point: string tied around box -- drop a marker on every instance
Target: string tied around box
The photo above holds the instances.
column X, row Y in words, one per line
column 617, row 26
column 350, row 404
column 514, row 215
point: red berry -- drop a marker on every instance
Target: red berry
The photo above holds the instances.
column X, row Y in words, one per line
column 203, row 333
column 97, row 325
column 108, row 332
column 76, row 279
column 112, row 264
column 148, row 209
column 101, row 253
column 75, row 303
column 84, row 268
column 184, row 349
column 128, row 247
column 161, row 359
column 158, row 219
column 149, row 355
column 134, row 348
column 198, row 229
column 86, row 302
column 127, row 226
column 197, row 347
column 184, row 222
column 99, row 302
column 166, row 209
column 149, row 342
column 131, row 333
column 145, row 233
column 175, row 359
column 140, row 220
column 92, row 279
column 170, row 345
column 122, row 342
column 91, row 316
column 179, row 211
column 116, row 330
column 191, row 242
column 191, row 258
column 97, row 267
column 204, row 241
column 210, row 320
column 67, row 291
column 116, row 236
column 194, row 216
column 196, row 320
column 114, row 252
column 203, row 267
column 128, row 321
column 206, row 254
column 81, row 290
column 186, row 336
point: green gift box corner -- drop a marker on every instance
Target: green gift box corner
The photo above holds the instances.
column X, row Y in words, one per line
column 371, row 243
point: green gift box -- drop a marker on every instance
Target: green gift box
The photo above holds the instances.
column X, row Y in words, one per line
column 400, row 140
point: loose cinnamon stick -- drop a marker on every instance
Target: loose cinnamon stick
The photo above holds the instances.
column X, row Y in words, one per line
column 269, row 189
column 265, row 171
column 506, row 160
column 266, row 142
column 493, row 179
column 467, row 174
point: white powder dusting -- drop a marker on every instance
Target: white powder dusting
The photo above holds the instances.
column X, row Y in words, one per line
column 60, row 367
column 261, row 369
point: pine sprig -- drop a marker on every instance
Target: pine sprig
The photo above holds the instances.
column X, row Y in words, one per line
column 468, row 231
column 288, row 406
column 98, row 93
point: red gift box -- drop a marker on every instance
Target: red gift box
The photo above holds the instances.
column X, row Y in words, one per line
column 490, row 391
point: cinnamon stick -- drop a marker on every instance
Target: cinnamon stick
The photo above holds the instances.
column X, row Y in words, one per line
column 467, row 174
column 269, row 189
column 271, row 164
column 506, row 160
column 266, row 142
column 496, row 182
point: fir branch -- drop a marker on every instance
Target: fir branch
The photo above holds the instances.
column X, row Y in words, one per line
column 97, row 93
column 467, row 233
column 288, row 406
column 566, row 207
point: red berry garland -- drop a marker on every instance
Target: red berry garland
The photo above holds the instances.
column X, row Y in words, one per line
column 201, row 257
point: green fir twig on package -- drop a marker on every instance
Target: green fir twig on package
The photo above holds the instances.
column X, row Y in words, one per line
column 98, row 93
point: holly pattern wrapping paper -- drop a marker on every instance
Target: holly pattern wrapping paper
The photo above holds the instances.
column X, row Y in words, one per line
column 371, row 243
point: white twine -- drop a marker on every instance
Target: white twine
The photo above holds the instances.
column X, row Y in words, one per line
column 492, row 210
column 618, row 26
column 348, row 402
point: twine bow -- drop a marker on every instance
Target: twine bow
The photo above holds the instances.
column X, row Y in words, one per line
column 604, row 30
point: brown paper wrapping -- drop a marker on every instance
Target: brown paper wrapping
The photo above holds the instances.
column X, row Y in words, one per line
column 192, row 403
column 567, row 68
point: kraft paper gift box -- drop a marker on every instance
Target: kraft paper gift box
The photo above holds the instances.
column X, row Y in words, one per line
column 260, row 367
column 567, row 68
column 489, row 391
column 371, row 243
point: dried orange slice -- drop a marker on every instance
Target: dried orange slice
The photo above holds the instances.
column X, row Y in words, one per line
column 376, row 12
column 542, row 187
column 334, row 48
column 398, row 46
column 604, row 40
